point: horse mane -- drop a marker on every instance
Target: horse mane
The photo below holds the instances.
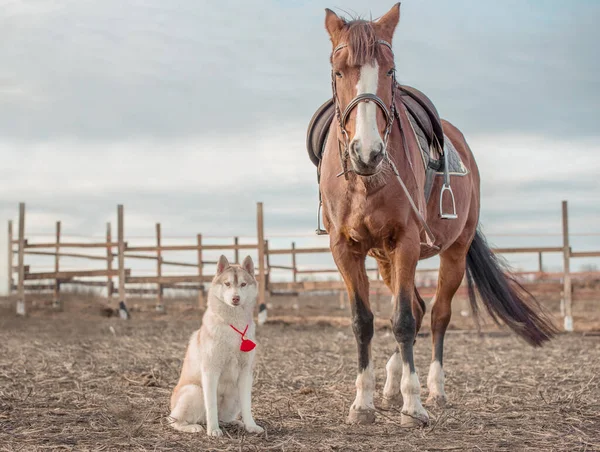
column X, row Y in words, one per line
column 360, row 36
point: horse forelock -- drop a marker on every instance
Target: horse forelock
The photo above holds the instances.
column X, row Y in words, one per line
column 361, row 39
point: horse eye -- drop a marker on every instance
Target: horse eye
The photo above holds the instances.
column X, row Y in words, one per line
column 391, row 72
column 243, row 284
column 338, row 74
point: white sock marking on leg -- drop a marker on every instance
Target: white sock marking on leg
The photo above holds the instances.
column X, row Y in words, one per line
column 365, row 387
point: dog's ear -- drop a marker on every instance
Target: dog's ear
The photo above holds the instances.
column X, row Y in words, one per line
column 248, row 265
column 222, row 265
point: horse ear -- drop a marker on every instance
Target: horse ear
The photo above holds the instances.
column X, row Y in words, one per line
column 222, row 265
column 389, row 21
column 248, row 265
column 333, row 23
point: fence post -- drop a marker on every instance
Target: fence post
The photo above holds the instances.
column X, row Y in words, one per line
column 567, row 287
column 121, row 243
column 109, row 266
column 261, row 256
column 159, row 296
column 342, row 299
column 236, row 242
column 56, row 303
column 540, row 263
column 268, row 264
column 294, row 268
column 10, row 257
column 200, row 273
column 21, row 307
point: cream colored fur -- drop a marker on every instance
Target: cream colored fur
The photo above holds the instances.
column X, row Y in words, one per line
column 216, row 378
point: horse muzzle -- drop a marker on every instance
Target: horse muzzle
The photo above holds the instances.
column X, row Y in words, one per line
column 367, row 162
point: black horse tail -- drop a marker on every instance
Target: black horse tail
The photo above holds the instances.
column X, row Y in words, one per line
column 502, row 295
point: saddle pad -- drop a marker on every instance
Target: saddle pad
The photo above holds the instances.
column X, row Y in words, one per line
column 431, row 155
column 455, row 164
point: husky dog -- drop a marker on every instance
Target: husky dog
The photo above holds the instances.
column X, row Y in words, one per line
column 216, row 377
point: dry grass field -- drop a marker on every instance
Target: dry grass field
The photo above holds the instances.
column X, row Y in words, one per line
column 68, row 381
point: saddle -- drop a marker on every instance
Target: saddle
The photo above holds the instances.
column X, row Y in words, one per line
column 439, row 155
column 422, row 112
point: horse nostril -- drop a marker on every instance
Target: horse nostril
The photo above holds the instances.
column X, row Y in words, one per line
column 355, row 147
column 377, row 155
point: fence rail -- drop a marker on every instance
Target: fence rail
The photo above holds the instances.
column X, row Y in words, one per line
column 120, row 250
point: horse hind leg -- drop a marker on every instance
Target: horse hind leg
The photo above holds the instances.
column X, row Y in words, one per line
column 452, row 270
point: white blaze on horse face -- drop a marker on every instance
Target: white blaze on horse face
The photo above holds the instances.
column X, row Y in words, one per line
column 367, row 132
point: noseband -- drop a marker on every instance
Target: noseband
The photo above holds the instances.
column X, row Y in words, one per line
column 342, row 118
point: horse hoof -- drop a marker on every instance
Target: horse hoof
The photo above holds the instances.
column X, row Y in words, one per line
column 395, row 401
column 438, row 400
column 361, row 416
column 414, row 420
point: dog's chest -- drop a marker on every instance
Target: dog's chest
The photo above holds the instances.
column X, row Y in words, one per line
column 229, row 375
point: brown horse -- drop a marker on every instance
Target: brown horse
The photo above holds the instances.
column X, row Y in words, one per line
column 370, row 154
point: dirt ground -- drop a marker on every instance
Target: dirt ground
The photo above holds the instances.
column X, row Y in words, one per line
column 68, row 381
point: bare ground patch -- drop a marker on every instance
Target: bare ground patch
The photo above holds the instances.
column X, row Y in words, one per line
column 68, row 383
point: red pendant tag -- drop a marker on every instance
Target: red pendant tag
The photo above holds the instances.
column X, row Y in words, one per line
column 247, row 345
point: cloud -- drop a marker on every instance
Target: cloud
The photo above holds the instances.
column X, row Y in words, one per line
column 112, row 70
column 190, row 112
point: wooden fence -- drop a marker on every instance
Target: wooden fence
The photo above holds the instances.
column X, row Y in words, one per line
column 129, row 283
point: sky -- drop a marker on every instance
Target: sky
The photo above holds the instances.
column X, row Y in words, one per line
column 189, row 112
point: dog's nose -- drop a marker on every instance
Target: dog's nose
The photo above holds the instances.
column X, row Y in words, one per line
column 236, row 299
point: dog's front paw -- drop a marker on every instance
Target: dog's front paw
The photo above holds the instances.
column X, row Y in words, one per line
column 253, row 428
column 215, row 432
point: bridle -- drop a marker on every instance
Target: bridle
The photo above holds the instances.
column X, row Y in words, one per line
column 342, row 117
column 390, row 114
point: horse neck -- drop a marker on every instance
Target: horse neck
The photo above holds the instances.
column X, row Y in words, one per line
column 403, row 149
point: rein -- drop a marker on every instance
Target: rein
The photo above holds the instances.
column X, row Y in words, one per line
column 390, row 114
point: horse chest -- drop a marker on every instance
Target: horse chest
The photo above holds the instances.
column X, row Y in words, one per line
column 362, row 221
column 360, row 212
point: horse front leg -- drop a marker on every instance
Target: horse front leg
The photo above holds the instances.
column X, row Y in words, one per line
column 404, row 326
column 350, row 260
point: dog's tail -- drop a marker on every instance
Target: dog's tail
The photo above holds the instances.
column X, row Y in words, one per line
column 502, row 295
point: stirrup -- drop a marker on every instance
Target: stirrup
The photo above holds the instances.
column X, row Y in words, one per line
column 447, row 216
column 319, row 230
